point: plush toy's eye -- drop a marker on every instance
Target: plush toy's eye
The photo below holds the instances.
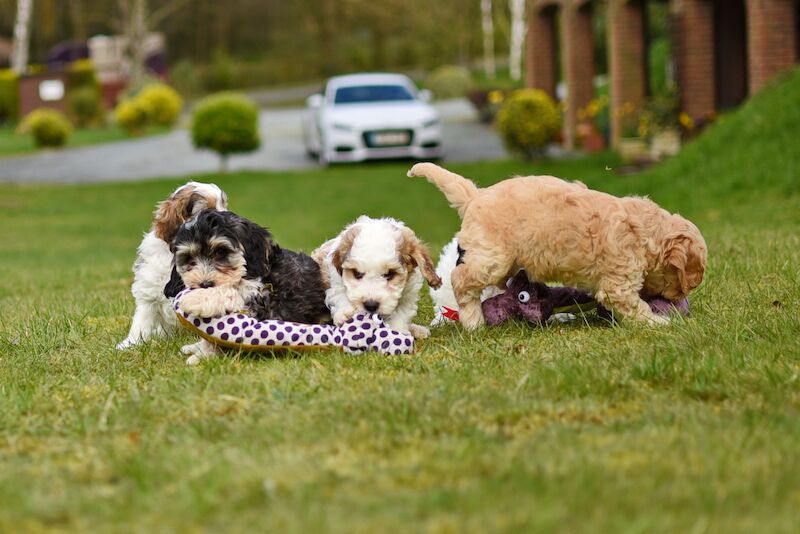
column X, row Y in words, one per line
column 524, row 296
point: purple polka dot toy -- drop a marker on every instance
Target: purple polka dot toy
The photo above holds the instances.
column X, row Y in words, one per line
column 362, row 333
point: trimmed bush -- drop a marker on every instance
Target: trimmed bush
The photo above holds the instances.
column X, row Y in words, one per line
column 49, row 127
column 86, row 107
column 226, row 123
column 133, row 115
column 449, row 81
column 528, row 120
column 163, row 102
column 81, row 73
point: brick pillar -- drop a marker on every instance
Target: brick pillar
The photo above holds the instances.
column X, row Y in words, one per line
column 541, row 49
column 771, row 39
column 578, row 63
column 627, row 65
column 695, row 57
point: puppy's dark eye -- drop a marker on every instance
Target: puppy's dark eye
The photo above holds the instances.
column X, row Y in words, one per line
column 220, row 253
column 191, row 263
column 357, row 274
column 389, row 275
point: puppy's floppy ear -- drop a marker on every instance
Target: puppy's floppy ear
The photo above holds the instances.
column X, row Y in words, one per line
column 257, row 246
column 181, row 206
column 413, row 252
column 342, row 250
column 685, row 259
column 175, row 284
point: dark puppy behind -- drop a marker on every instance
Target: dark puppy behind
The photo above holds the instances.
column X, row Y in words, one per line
column 237, row 265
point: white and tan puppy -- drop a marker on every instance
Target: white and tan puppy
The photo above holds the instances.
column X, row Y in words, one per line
column 377, row 266
column 154, row 316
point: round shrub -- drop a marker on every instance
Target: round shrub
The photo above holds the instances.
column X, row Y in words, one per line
column 164, row 103
column 81, row 73
column 9, row 95
column 86, row 107
column 528, row 120
column 49, row 127
column 133, row 115
column 226, row 123
column 449, row 81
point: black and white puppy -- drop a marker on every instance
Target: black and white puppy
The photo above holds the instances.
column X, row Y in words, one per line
column 234, row 264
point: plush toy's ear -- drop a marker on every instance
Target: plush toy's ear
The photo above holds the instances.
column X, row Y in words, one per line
column 175, row 284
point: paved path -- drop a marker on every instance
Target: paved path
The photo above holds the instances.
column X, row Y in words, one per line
column 172, row 154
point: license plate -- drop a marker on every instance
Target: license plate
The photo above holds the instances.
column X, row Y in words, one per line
column 389, row 138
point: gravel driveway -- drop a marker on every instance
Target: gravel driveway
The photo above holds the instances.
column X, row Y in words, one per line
column 172, row 154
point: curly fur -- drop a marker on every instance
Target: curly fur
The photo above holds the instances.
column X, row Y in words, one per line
column 620, row 249
column 376, row 266
column 154, row 316
column 222, row 254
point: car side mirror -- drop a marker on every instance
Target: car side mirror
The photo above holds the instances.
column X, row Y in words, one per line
column 314, row 101
column 425, row 95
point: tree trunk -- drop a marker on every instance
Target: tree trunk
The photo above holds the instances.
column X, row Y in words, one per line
column 137, row 33
column 19, row 57
column 487, row 25
column 517, row 38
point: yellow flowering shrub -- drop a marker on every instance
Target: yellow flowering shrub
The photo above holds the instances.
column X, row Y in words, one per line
column 527, row 121
column 133, row 115
column 164, row 103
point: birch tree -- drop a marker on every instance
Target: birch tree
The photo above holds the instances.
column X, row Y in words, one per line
column 487, row 26
column 22, row 26
column 518, row 29
column 137, row 21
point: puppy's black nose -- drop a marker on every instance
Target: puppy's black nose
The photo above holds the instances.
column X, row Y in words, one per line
column 207, row 284
column 371, row 305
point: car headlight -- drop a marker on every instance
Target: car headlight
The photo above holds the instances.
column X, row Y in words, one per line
column 341, row 127
column 431, row 123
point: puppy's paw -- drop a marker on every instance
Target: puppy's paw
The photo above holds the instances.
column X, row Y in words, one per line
column 193, row 348
column 343, row 314
column 658, row 320
column 198, row 358
column 202, row 350
column 419, row 332
column 212, row 302
column 197, row 303
column 125, row 344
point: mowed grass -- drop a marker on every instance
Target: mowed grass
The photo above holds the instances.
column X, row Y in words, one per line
column 576, row 427
column 13, row 143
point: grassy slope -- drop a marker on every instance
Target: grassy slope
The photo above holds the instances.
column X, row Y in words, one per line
column 575, row 427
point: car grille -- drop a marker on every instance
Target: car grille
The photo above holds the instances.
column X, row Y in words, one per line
column 388, row 138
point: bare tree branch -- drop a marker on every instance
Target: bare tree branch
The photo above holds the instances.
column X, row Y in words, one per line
column 158, row 16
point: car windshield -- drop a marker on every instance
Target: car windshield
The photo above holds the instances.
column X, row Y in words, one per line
column 372, row 93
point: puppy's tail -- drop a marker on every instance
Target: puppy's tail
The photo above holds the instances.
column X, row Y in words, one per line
column 457, row 189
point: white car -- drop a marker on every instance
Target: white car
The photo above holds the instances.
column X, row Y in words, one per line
column 365, row 116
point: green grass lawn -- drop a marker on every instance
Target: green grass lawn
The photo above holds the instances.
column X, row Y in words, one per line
column 576, row 427
column 14, row 144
